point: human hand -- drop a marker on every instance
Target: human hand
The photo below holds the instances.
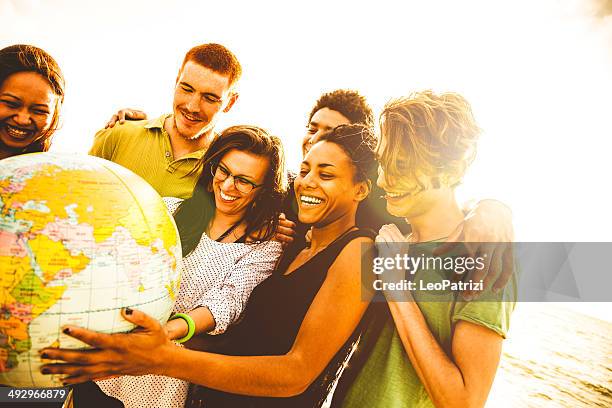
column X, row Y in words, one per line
column 391, row 243
column 176, row 329
column 136, row 353
column 486, row 232
column 285, row 230
column 308, row 236
column 125, row 114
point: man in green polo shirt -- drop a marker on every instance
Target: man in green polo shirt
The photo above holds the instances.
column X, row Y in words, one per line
column 166, row 151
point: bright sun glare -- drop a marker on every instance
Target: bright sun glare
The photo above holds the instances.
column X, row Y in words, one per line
column 537, row 74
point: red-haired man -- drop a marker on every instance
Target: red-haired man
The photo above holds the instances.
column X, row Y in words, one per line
column 165, row 151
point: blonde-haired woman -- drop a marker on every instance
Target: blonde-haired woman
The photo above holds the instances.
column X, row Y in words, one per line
column 435, row 349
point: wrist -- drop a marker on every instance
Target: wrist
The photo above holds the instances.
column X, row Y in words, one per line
column 165, row 359
column 189, row 322
column 177, row 328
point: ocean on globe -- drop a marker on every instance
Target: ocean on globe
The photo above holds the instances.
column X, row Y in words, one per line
column 80, row 238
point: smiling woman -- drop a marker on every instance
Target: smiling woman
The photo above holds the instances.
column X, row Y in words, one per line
column 222, row 260
column 31, row 93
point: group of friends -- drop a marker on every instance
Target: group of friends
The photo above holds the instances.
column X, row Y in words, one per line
column 271, row 310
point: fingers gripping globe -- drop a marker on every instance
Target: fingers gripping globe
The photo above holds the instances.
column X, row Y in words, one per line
column 80, row 238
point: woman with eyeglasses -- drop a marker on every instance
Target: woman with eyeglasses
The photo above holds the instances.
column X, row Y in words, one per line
column 237, row 196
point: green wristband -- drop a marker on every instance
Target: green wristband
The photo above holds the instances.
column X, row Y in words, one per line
column 190, row 325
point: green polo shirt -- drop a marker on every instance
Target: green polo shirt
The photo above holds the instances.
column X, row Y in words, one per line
column 144, row 147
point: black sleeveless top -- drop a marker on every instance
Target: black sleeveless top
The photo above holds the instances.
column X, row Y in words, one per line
column 270, row 325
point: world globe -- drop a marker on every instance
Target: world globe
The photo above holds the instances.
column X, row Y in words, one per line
column 80, row 238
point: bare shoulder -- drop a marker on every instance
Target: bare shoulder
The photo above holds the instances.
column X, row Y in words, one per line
column 356, row 245
column 355, row 252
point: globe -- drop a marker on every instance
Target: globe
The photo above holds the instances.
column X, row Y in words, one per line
column 80, row 238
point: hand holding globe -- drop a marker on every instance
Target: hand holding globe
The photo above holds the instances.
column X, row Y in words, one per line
column 80, row 239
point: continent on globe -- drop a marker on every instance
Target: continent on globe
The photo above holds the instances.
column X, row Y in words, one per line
column 80, row 239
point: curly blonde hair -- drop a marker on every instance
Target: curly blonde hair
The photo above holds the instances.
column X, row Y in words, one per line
column 427, row 136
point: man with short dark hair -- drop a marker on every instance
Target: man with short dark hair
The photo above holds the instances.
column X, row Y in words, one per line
column 339, row 107
column 166, row 151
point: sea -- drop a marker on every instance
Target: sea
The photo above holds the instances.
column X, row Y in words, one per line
column 554, row 357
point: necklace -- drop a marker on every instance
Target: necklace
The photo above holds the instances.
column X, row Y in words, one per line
column 227, row 232
column 335, row 239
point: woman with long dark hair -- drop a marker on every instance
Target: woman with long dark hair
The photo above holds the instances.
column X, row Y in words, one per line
column 31, row 95
column 226, row 231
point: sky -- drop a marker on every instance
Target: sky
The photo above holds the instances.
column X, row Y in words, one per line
column 537, row 75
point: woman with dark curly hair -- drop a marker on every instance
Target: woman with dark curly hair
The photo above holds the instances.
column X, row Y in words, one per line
column 31, row 94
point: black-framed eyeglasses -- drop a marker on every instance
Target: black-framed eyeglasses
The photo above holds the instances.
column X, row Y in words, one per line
column 221, row 173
